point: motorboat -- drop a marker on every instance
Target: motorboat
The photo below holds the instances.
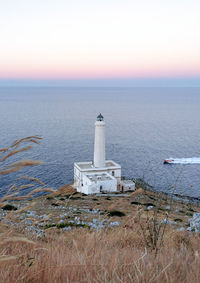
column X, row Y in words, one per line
column 168, row 161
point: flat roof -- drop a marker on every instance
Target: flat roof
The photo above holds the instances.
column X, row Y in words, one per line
column 110, row 164
column 99, row 177
column 127, row 182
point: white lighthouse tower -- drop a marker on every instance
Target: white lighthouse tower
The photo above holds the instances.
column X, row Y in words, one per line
column 99, row 175
column 99, row 143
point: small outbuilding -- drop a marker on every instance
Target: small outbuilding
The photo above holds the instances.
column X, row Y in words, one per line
column 127, row 185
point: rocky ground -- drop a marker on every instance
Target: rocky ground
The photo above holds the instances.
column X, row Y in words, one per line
column 66, row 209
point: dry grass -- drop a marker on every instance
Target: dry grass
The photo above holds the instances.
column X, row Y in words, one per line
column 115, row 255
column 38, row 190
column 16, row 166
column 82, row 255
column 33, row 179
column 34, row 139
column 12, row 193
column 14, row 149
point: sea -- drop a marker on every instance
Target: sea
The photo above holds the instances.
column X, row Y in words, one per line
column 144, row 126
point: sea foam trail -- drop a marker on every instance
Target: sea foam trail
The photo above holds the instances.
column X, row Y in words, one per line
column 192, row 160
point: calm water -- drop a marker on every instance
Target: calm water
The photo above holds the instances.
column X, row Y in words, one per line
column 143, row 127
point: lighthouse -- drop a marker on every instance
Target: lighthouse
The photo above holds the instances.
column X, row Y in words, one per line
column 99, row 142
column 100, row 175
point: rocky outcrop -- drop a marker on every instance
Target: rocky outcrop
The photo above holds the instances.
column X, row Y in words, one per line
column 195, row 222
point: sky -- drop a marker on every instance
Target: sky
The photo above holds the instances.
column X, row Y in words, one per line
column 89, row 40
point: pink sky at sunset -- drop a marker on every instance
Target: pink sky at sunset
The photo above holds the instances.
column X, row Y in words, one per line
column 99, row 39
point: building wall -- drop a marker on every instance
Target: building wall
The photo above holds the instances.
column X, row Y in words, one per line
column 83, row 184
column 117, row 173
column 98, row 186
column 99, row 144
column 77, row 177
column 127, row 187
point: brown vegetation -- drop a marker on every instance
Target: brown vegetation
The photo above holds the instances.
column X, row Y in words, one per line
column 112, row 255
column 140, row 250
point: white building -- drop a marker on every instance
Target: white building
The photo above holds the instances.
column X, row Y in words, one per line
column 100, row 175
column 127, row 185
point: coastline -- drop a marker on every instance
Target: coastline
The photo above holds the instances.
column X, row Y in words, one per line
column 66, row 209
column 175, row 196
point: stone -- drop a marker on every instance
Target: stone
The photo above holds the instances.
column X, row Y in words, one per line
column 190, row 229
column 115, row 223
column 7, row 222
column 28, row 222
column 167, row 221
column 181, row 229
column 67, row 228
column 150, row 207
column 195, row 222
column 93, row 225
column 94, row 211
column 36, row 231
column 63, row 215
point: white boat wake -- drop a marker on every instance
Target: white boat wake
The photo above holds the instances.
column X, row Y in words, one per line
column 192, row 160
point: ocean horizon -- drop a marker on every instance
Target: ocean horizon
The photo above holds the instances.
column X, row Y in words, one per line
column 144, row 126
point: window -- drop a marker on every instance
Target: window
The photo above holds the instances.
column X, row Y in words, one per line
column 113, row 173
column 101, row 188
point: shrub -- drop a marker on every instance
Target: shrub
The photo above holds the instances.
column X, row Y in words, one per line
column 50, row 198
column 55, row 204
column 152, row 229
column 135, row 203
column 178, row 220
column 116, row 213
column 9, row 207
